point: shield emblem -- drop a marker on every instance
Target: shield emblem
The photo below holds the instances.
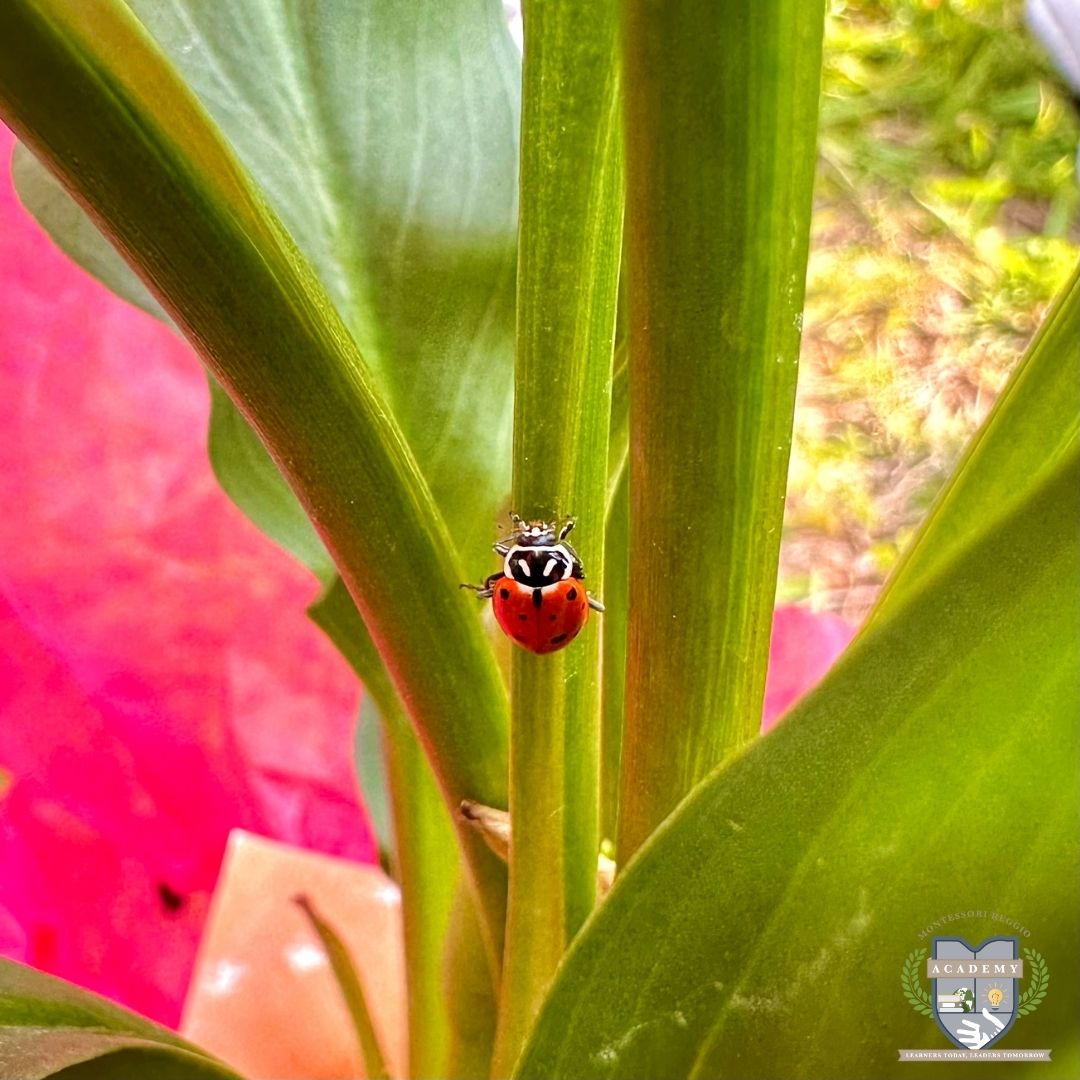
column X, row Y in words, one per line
column 975, row 989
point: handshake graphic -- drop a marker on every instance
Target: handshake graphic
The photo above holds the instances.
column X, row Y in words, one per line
column 973, row 1035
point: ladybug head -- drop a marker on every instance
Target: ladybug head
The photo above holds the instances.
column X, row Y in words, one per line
column 536, row 557
column 538, row 533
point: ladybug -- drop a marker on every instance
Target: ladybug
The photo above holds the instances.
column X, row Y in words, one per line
column 538, row 596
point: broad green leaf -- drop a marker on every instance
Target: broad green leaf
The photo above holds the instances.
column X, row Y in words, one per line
column 721, row 107
column 240, row 462
column 47, row 1025
column 74, row 232
column 619, row 438
column 933, row 771
column 916, row 782
column 85, row 87
column 384, row 137
column 568, row 268
column 249, row 477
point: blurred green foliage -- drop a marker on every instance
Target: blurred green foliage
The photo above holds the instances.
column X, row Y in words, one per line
column 953, row 100
column 947, row 215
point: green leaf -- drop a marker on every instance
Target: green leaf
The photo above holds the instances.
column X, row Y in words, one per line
column 773, row 893
column 568, row 266
column 721, row 106
column 616, row 595
column 352, row 990
column 1039, row 980
column 932, row 771
column 619, row 439
column 47, row 1025
column 911, row 982
column 249, row 477
column 88, row 91
column 385, row 140
column 75, row 234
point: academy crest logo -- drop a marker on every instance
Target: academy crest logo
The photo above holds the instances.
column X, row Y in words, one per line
column 977, row 992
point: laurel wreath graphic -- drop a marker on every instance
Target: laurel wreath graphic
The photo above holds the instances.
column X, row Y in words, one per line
column 911, row 984
column 1028, row 1002
column 1038, row 980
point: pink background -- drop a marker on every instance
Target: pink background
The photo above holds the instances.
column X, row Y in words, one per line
column 159, row 681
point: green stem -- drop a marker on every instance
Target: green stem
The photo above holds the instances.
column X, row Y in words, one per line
column 425, row 862
column 721, row 103
column 568, row 263
column 616, row 596
column 471, row 999
column 617, row 599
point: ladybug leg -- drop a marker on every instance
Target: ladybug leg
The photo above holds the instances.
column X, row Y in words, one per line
column 517, row 520
column 578, row 570
column 485, row 591
column 595, row 604
column 501, row 548
column 565, row 531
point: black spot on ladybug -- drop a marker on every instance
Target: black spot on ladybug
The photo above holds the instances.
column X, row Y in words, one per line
column 170, row 899
column 504, row 593
column 552, row 618
column 523, row 616
column 572, row 594
column 538, row 598
column 558, row 638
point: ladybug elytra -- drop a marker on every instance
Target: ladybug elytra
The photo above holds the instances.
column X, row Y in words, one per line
column 538, row 596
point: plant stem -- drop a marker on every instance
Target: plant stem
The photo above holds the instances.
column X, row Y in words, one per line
column 471, row 998
column 721, row 105
column 568, row 262
column 426, row 863
column 616, row 597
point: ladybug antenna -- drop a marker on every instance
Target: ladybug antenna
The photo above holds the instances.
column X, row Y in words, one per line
column 565, row 532
column 517, row 521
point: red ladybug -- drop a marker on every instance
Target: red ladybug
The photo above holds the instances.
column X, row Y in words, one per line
column 538, row 597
